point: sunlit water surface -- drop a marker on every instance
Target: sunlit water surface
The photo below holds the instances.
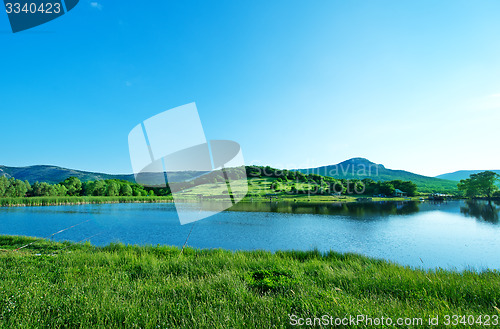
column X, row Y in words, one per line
column 453, row 235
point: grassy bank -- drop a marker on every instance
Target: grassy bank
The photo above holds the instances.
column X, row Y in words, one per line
column 56, row 285
column 67, row 200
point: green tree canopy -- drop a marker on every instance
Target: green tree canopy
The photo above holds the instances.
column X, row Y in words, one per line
column 125, row 190
column 99, row 188
column 73, row 185
column 481, row 184
column 387, row 188
column 112, row 189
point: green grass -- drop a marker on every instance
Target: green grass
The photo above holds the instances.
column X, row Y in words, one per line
column 64, row 200
column 63, row 285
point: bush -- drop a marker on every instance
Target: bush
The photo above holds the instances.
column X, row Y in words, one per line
column 270, row 280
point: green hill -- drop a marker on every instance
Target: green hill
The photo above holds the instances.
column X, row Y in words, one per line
column 53, row 174
column 457, row 176
column 356, row 168
column 360, row 168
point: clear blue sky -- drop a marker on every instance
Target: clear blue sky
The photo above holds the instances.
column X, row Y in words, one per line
column 414, row 85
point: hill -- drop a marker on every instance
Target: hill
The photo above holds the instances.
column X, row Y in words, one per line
column 462, row 174
column 53, row 174
column 356, row 168
column 360, row 168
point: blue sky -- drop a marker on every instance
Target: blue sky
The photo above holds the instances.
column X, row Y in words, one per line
column 413, row 85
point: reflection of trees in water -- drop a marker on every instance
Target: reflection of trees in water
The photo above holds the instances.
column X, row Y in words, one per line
column 351, row 209
column 482, row 210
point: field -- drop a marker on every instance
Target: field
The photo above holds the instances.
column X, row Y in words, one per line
column 64, row 285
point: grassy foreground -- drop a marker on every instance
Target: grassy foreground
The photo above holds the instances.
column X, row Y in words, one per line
column 64, row 285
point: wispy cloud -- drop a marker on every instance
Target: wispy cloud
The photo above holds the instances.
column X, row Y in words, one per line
column 95, row 4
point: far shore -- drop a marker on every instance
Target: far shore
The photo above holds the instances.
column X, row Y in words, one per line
column 79, row 200
column 83, row 200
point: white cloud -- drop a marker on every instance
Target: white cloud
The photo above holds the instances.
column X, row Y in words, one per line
column 95, row 4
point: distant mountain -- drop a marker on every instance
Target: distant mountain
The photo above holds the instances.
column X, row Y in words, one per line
column 356, row 168
column 462, row 174
column 53, row 174
column 360, row 168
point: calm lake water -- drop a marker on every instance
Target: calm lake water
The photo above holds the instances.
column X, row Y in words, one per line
column 453, row 235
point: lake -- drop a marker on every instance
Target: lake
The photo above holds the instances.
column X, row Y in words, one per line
column 452, row 235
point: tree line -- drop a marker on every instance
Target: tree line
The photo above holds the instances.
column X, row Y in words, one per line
column 286, row 180
column 72, row 186
column 298, row 182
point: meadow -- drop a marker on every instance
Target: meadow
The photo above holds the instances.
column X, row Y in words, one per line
column 67, row 285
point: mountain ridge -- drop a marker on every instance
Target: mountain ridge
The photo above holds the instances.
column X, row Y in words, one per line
column 462, row 174
column 361, row 168
column 54, row 174
column 355, row 168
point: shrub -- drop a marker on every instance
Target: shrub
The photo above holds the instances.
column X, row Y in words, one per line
column 270, row 280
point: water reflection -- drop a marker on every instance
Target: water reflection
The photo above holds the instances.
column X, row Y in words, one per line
column 358, row 209
column 482, row 210
column 450, row 234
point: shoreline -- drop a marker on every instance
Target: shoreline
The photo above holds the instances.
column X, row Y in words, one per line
column 69, row 201
column 314, row 199
column 83, row 200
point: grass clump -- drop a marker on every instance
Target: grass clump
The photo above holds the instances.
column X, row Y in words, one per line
column 270, row 280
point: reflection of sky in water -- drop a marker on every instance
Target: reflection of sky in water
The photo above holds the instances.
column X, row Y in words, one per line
column 449, row 235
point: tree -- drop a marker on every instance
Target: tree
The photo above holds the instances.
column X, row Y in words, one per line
column 113, row 189
column 138, row 191
column 301, row 177
column 406, row 186
column 60, row 190
column 20, row 188
column 13, row 188
column 387, row 189
column 125, row 190
column 87, row 188
column 99, row 188
column 28, row 187
column 73, row 184
column 481, row 184
column 4, row 183
column 36, row 189
column 44, row 189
